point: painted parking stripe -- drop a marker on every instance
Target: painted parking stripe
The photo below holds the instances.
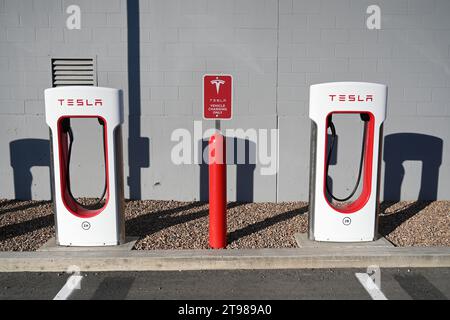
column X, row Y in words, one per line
column 71, row 284
column 370, row 286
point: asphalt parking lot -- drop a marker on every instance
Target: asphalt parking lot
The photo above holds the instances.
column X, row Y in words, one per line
column 417, row 284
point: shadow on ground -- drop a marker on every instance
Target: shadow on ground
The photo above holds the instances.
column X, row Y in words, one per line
column 23, row 222
column 24, row 217
column 152, row 222
column 388, row 222
column 264, row 224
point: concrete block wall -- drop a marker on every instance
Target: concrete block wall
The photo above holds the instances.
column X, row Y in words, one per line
column 275, row 49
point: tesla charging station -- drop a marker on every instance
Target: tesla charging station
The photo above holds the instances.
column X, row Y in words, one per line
column 353, row 218
column 77, row 224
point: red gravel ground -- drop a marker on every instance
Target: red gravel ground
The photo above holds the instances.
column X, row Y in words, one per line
column 27, row 225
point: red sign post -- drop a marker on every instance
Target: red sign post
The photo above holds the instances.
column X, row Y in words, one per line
column 217, row 96
column 217, row 192
column 217, row 105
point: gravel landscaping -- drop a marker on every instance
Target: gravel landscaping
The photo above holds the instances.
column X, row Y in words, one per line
column 27, row 225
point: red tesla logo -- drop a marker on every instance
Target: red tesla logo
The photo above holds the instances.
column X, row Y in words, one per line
column 351, row 97
column 80, row 102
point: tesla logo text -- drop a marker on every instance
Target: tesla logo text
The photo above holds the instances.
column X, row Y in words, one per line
column 217, row 82
column 351, row 97
column 80, row 102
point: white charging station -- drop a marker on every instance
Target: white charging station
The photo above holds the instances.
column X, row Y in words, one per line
column 76, row 224
column 354, row 220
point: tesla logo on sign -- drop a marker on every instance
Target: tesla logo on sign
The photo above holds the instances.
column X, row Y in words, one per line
column 217, row 96
column 217, row 83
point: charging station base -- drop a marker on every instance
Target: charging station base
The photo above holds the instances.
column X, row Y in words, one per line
column 51, row 245
column 303, row 242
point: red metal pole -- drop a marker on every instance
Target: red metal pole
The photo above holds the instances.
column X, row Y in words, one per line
column 217, row 192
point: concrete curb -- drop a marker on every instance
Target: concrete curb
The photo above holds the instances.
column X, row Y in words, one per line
column 160, row 260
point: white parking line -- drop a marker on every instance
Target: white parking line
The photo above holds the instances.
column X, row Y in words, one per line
column 71, row 284
column 370, row 286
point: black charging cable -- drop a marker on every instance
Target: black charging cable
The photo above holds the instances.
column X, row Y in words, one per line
column 68, row 129
column 365, row 118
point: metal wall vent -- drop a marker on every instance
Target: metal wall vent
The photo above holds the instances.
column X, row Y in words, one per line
column 73, row 72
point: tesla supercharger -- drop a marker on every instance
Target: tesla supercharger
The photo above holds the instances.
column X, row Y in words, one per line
column 353, row 218
column 76, row 223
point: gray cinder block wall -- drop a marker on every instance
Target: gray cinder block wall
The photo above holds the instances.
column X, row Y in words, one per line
column 157, row 52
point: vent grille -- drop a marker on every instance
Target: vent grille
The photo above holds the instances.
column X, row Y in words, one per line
column 73, row 72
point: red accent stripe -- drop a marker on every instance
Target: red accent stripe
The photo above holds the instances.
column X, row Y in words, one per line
column 363, row 198
column 68, row 201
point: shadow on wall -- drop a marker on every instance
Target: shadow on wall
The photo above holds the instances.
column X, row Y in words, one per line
column 245, row 163
column 401, row 147
column 25, row 154
column 138, row 147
